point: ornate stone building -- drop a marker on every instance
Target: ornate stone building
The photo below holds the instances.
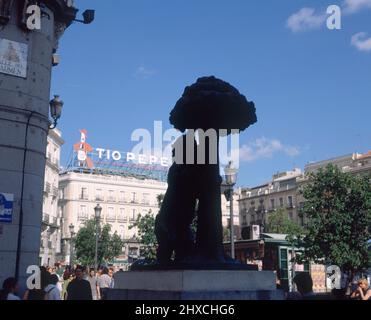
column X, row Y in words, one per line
column 50, row 246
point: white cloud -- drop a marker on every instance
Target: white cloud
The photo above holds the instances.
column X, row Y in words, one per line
column 354, row 6
column 263, row 148
column 361, row 42
column 144, row 73
column 305, row 19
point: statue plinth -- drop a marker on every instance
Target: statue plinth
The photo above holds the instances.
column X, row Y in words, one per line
column 195, row 285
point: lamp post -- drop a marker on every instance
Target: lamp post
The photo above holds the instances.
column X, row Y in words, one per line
column 56, row 106
column 72, row 233
column 97, row 211
column 230, row 179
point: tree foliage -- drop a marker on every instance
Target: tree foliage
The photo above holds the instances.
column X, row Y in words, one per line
column 279, row 222
column 338, row 209
column 109, row 245
column 146, row 235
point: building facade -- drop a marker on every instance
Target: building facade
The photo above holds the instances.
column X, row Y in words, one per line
column 283, row 191
column 255, row 204
column 122, row 199
column 26, row 60
column 50, row 244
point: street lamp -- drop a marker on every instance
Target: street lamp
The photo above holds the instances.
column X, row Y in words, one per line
column 230, row 179
column 56, row 106
column 98, row 211
column 88, row 15
column 72, row 233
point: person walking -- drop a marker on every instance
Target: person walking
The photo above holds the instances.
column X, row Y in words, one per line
column 111, row 273
column 79, row 289
column 304, row 284
column 93, row 280
column 10, row 290
column 104, row 283
column 52, row 291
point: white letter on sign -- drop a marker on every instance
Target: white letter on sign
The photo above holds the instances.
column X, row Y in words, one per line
column 34, row 20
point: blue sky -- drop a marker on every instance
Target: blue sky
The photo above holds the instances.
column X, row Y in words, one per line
column 311, row 85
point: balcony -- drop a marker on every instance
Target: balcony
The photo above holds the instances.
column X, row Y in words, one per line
column 55, row 192
column 47, row 188
column 82, row 216
column 46, row 219
column 111, row 218
column 122, row 219
column 99, row 198
column 83, row 197
column 54, row 222
column 111, row 199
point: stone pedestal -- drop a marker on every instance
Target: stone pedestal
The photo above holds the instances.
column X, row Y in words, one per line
column 195, row 285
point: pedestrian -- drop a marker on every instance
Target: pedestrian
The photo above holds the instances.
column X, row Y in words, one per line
column 93, row 280
column 111, row 274
column 104, row 283
column 10, row 290
column 52, row 291
column 304, row 284
column 363, row 291
column 78, row 288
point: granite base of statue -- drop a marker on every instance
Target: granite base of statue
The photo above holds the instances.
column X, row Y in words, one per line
column 193, row 265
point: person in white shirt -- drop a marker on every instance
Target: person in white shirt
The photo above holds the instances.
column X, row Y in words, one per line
column 104, row 283
column 10, row 289
column 52, row 291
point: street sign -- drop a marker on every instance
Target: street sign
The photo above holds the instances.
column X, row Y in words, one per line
column 13, row 58
column 6, row 207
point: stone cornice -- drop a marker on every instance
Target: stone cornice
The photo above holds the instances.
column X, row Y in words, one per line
column 63, row 13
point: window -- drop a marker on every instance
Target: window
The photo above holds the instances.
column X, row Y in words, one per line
column 122, row 216
column 111, row 214
column 273, row 204
column 244, row 220
column 133, row 197
column 290, row 202
column 83, row 214
column 84, row 193
column 281, row 202
column 146, row 198
column 133, row 215
column 122, row 232
column 252, row 219
column 122, row 196
column 111, row 195
column 99, row 195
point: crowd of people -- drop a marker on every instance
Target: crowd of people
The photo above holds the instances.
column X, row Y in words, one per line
column 80, row 283
column 56, row 283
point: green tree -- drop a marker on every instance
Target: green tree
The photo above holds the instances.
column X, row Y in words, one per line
column 338, row 210
column 146, row 235
column 226, row 234
column 109, row 245
column 279, row 222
